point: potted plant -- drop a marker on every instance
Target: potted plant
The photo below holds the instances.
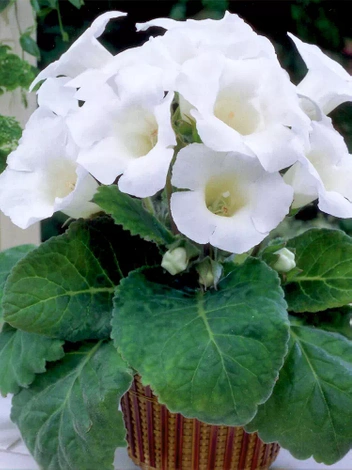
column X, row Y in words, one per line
column 179, row 159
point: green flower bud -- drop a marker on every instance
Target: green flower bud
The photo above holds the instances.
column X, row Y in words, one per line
column 286, row 260
column 175, row 261
column 209, row 272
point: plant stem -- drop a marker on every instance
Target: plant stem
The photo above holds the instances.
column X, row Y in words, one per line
column 148, row 204
column 61, row 26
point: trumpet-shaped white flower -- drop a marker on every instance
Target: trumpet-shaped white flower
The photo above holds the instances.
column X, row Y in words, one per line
column 42, row 176
column 325, row 173
column 128, row 133
column 327, row 82
column 232, row 202
column 246, row 105
column 85, row 53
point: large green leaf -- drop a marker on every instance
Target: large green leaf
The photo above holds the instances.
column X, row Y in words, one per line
column 130, row 213
column 69, row 417
column 64, row 288
column 325, row 258
column 8, row 259
column 310, row 410
column 213, row 356
column 22, row 355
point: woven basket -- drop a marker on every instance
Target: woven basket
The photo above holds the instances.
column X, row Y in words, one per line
column 160, row 440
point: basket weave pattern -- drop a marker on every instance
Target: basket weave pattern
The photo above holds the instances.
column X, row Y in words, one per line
column 160, row 440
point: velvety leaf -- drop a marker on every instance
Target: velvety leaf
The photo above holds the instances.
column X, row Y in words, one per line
column 8, row 259
column 325, row 281
column 69, row 417
column 215, row 355
column 310, row 410
column 22, row 355
column 64, row 288
column 29, row 45
column 130, row 213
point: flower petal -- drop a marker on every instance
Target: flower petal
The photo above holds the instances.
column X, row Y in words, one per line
column 55, row 96
column 327, row 82
column 84, row 53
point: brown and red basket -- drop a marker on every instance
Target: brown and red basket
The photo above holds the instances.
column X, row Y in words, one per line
column 160, row 440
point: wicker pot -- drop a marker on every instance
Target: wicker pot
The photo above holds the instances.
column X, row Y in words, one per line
column 160, row 440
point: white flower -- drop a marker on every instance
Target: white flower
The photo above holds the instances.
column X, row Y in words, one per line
column 327, row 82
column 246, row 105
column 42, row 176
column 175, row 261
column 325, row 173
column 286, row 260
column 232, row 202
column 127, row 133
column 85, row 53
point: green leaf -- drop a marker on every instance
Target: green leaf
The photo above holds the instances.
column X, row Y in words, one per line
column 35, row 5
column 14, row 72
column 64, row 288
column 337, row 320
column 130, row 213
column 8, row 259
column 77, row 3
column 310, row 410
column 4, row 4
column 325, row 281
column 69, row 417
column 213, row 356
column 22, row 355
column 29, row 45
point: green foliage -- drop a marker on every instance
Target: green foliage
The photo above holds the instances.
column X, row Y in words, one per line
column 77, row 3
column 14, row 71
column 64, row 288
column 310, row 410
column 325, row 259
column 5, row 3
column 69, row 416
column 215, row 355
column 337, row 320
column 130, row 213
column 313, row 21
column 29, row 45
column 22, row 355
column 8, row 259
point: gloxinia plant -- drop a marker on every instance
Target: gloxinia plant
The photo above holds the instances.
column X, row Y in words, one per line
column 179, row 157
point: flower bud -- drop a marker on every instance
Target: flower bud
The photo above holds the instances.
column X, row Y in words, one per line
column 209, row 272
column 175, row 261
column 286, row 260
